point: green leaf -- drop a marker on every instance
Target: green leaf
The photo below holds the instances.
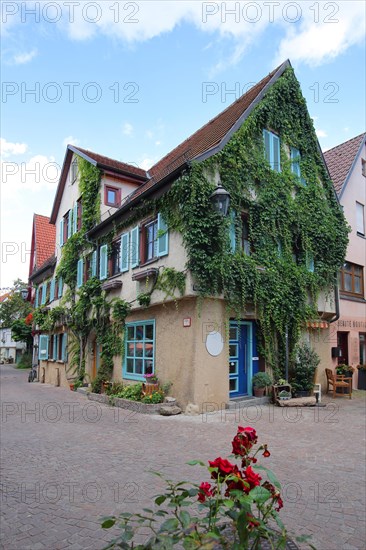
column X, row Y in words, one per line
column 229, row 503
column 260, row 495
column 169, row 525
column 195, row 462
column 160, row 499
column 108, row 523
column 271, row 476
column 185, row 518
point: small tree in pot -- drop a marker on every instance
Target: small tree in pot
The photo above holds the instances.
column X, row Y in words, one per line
column 306, row 363
column 260, row 381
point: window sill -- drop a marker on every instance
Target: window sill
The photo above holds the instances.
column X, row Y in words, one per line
column 351, row 298
column 112, row 284
column 135, row 377
column 361, row 235
column 140, row 275
column 153, row 260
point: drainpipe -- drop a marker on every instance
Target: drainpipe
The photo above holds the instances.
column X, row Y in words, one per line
column 286, row 354
column 336, row 295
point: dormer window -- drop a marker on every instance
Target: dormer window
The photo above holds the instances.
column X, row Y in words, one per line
column 112, row 196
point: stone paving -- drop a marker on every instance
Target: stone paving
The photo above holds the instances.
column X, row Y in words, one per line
column 67, row 461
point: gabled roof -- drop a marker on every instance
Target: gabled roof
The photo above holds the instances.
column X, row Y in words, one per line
column 45, row 239
column 212, row 136
column 138, row 175
column 4, row 297
column 340, row 161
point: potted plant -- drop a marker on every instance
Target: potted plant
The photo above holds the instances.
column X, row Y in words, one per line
column 306, row 363
column 344, row 370
column 284, row 395
column 361, row 377
column 260, row 382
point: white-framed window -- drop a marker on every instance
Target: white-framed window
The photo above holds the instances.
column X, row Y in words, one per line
column 360, row 218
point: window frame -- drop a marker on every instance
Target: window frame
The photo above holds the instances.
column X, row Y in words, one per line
column 114, row 258
column 74, row 170
column 351, row 272
column 144, row 243
column 117, row 192
column 134, row 375
column 360, row 207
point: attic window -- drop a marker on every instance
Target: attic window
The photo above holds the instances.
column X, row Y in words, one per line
column 74, row 170
column 112, row 196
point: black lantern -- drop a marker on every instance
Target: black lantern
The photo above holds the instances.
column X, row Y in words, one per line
column 220, row 200
column 24, row 293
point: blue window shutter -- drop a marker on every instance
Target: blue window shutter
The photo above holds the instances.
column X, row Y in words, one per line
column 64, row 347
column 55, row 347
column 62, row 232
column 94, row 264
column 75, row 219
column 43, row 347
column 44, row 293
column 60, row 287
column 135, row 246
column 69, row 224
column 103, row 262
column 163, row 237
column 276, row 159
column 267, row 145
column 52, row 290
column 80, row 273
column 125, row 252
column 232, row 231
column 36, row 298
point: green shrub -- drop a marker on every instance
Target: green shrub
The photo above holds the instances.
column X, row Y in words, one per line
column 25, row 361
column 261, row 380
column 155, row 397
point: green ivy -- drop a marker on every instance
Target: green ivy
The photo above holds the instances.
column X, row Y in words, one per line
column 285, row 216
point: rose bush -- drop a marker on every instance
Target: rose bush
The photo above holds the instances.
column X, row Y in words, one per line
column 236, row 510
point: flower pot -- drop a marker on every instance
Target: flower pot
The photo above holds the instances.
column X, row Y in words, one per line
column 148, row 388
column 258, row 392
column 72, row 387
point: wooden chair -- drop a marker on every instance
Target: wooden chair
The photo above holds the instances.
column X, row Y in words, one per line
column 338, row 381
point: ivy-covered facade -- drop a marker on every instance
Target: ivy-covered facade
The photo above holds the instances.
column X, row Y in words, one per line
column 156, row 280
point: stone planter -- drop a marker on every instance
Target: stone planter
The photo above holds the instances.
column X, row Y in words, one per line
column 128, row 404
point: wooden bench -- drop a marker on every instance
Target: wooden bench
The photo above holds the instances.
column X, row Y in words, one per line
column 338, row 381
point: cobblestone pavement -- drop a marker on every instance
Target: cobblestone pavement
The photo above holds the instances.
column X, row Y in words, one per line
column 67, row 461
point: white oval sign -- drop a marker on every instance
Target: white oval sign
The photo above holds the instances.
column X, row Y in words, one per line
column 214, row 343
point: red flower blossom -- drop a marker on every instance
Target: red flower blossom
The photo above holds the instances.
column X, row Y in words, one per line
column 224, row 467
column 266, row 453
column 249, row 432
column 205, row 491
column 252, row 522
column 29, row 318
column 252, row 478
column 275, row 494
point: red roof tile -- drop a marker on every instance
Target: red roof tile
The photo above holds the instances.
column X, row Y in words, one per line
column 45, row 239
column 114, row 164
column 206, row 138
column 340, row 159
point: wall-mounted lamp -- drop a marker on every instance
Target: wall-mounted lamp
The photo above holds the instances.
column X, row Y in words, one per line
column 220, row 200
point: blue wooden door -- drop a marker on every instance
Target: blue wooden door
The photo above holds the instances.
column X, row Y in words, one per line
column 239, row 370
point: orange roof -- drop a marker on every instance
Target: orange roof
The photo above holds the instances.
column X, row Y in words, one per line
column 4, row 297
column 107, row 162
column 340, row 160
column 44, row 239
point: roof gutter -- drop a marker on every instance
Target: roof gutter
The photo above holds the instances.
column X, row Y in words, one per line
column 42, row 269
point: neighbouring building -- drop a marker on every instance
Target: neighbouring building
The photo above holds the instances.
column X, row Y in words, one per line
column 347, row 166
column 41, row 266
column 10, row 351
column 205, row 269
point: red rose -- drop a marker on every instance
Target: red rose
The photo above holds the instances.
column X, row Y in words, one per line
column 29, row 318
column 252, row 522
column 205, row 491
column 236, row 484
column 249, row 432
column 251, row 477
column 224, row 467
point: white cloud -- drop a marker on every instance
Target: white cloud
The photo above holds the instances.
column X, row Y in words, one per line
column 340, row 25
column 127, row 129
column 321, row 133
column 157, row 143
column 37, row 174
column 147, row 163
column 70, row 140
column 7, row 148
column 22, row 58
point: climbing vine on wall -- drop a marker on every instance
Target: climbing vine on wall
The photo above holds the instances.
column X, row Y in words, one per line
column 290, row 220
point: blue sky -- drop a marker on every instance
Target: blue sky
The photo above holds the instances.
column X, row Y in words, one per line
column 135, row 88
